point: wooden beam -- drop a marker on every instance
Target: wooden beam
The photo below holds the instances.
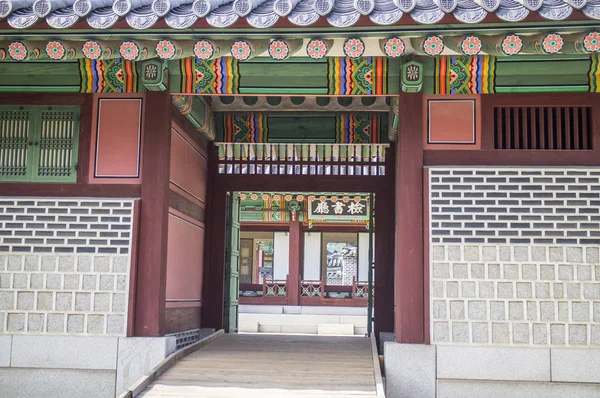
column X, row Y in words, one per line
column 152, row 272
column 72, row 190
column 511, row 158
column 301, row 183
column 410, row 323
column 135, row 234
column 85, row 136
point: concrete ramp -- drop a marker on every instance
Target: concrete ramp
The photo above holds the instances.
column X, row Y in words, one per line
column 251, row 365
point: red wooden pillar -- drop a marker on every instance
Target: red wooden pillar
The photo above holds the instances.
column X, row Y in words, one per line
column 384, row 257
column 213, row 289
column 293, row 289
column 409, row 295
column 152, row 249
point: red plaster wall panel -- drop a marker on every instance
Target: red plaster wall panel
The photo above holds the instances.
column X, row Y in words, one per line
column 185, row 257
column 452, row 123
column 116, row 141
column 188, row 167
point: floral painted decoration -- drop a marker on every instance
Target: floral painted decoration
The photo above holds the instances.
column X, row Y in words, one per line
column 288, row 197
column 471, row 45
column 241, row 50
column 91, row 49
column 394, row 47
column 300, row 197
column 254, row 196
column 243, row 196
column 204, row 50
column 354, row 47
column 512, row 45
column 433, row 45
column 55, row 50
column 279, row 50
column 316, row 49
column 552, row 43
column 17, row 51
column 591, row 42
column 129, row 50
column 165, row 49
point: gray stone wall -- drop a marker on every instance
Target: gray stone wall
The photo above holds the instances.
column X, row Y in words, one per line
column 64, row 265
column 514, row 256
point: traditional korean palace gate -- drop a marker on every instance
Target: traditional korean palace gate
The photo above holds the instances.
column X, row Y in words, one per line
column 124, row 124
column 335, row 168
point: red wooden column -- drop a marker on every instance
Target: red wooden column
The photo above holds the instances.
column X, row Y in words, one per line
column 213, row 289
column 384, row 257
column 152, row 249
column 293, row 289
column 410, row 325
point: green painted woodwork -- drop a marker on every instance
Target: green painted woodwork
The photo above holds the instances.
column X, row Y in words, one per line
column 198, row 112
column 393, row 76
column 283, row 90
column 428, row 74
column 543, row 89
column 39, row 144
column 284, row 75
column 304, row 127
column 154, row 75
column 232, row 266
column 540, row 72
column 39, row 77
column 412, row 77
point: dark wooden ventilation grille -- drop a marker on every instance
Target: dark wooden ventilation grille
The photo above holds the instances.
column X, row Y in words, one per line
column 551, row 128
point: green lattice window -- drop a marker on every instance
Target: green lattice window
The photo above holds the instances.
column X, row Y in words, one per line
column 38, row 143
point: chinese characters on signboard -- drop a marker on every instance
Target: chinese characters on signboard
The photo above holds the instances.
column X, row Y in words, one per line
column 337, row 208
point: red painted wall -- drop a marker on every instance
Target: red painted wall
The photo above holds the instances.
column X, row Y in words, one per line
column 185, row 248
column 185, row 252
column 188, row 167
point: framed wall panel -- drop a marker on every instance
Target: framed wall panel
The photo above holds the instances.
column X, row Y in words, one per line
column 117, row 134
column 452, row 122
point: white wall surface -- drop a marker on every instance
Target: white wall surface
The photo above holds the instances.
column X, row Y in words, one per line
column 312, row 256
column 363, row 256
column 281, row 255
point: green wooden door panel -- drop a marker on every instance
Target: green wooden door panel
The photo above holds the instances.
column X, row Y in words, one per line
column 16, row 141
column 39, row 144
column 56, row 150
column 232, row 266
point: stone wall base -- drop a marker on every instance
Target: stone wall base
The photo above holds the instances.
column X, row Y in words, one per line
column 76, row 366
column 428, row 371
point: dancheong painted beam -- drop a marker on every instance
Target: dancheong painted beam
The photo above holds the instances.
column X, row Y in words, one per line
column 277, row 49
column 182, row 14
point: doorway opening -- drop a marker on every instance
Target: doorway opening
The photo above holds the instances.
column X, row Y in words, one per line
column 299, row 262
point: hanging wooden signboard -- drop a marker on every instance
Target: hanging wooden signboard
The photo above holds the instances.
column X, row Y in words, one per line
column 342, row 208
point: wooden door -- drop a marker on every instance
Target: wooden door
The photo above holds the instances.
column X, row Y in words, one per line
column 232, row 265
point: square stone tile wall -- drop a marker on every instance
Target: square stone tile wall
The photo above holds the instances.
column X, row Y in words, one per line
column 64, row 265
column 514, row 256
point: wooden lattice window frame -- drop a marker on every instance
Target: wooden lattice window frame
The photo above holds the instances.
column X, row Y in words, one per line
column 39, row 143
